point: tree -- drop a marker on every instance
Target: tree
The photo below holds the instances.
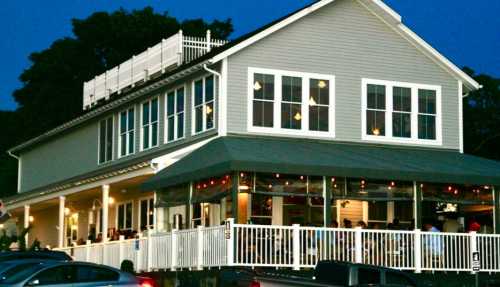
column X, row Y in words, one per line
column 482, row 118
column 51, row 92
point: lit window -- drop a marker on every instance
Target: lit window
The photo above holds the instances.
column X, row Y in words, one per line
column 319, row 101
column 204, row 104
column 146, row 218
column 291, row 103
column 426, row 114
column 124, row 215
column 127, row 132
column 106, row 140
column 263, row 100
column 149, row 129
column 175, row 114
column 401, row 115
column 375, row 110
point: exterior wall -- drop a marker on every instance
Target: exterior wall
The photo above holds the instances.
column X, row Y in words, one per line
column 44, row 227
column 75, row 153
column 345, row 40
column 352, row 211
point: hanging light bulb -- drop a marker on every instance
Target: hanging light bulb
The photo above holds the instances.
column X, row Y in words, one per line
column 321, row 84
column 66, row 211
column 297, row 116
column 257, row 86
column 376, row 131
column 209, row 110
column 312, row 102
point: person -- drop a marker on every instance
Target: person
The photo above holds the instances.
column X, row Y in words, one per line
column 335, row 224
column 451, row 224
column 396, row 225
column 347, row 223
column 473, row 225
column 99, row 238
column 433, row 242
column 361, row 224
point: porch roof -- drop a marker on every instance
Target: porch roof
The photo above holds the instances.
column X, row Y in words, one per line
column 326, row 158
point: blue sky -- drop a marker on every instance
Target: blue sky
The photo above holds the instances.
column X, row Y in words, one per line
column 467, row 32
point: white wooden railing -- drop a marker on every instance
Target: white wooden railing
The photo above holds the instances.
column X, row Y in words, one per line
column 172, row 52
column 295, row 247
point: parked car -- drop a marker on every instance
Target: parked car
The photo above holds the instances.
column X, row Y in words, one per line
column 69, row 273
column 20, row 264
column 331, row 273
column 43, row 254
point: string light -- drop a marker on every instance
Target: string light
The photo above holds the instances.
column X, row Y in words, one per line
column 242, row 175
column 301, row 177
column 286, row 182
column 212, row 182
column 223, row 181
column 277, row 175
column 270, row 186
column 333, row 179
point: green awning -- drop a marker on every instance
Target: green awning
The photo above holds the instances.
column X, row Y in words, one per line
column 325, row 158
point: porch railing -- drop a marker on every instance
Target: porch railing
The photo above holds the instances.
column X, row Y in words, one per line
column 174, row 51
column 295, row 247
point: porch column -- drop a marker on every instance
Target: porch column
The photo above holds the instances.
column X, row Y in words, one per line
column 26, row 221
column 496, row 210
column 104, row 214
column 417, row 205
column 60, row 231
column 327, row 198
column 158, row 215
column 234, row 195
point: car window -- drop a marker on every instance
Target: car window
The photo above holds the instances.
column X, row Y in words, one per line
column 19, row 273
column 56, row 275
column 396, row 279
column 95, row 274
column 368, row 276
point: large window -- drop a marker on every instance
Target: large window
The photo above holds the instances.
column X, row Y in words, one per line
column 149, row 130
column 203, row 104
column 124, row 213
column 106, row 140
column 146, row 213
column 175, row 114
column 290, row 102
column 401, row 112
column 127, row 132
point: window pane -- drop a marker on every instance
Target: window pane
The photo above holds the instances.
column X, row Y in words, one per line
column 180, row 100
column 145, row 138
column 377, row 211
column 375, row 123
column 95, row 274
column 170, row 103
column 401, row 125
column 198, row 92
column 319, row 92
column 263, row 113
column 401, row 99
column 131, row 120
column 318, row 118
column 151, row 211
column 209, row 110
column 131, row 140
column 128, row 217
column 209, row 88
column 368, row 276
column 180, row 125
column 263, row 86
column 262, row 205
column 291, row 89
column 121, row 214
column 154, row 110
column 109, row 139
column 154, row 134
column 56, row 275
column 427, row 101
column 144, row 214
column 145, row 113
column 102, row 141
column 123, row 147
column 376, row 97
column 198, row 119
column 123, row 122
column 170, row 129
column 291, row 116
column 426, row 127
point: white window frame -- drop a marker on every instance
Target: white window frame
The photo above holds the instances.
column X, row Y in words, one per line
column 149, row 125
column 139, row 208
column 175, row 115
column 118, row 204
column 99, row 140
column 127, row 132
column 276, row 129
column 204, row 105
column 388, row 137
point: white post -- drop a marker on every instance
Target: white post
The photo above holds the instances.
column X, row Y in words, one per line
column 230, row 238
column 209, row 40
column 200, row 247
column 174, row 249
column 149, row 245
column 60, row 231
column 180, row 52
column 26, row 221
column 358, row 245
column 473, row 247
column 418, row 250
column 87, row 251
column 296, row 246
column 121, row 248
column 104, row 214
column 138, row 254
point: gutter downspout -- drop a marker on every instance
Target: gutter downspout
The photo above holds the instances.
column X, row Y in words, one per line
column 219, row 122
column 18, row 169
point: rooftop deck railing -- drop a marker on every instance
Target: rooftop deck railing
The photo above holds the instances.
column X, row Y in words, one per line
column 172, row 52
column 296, row 247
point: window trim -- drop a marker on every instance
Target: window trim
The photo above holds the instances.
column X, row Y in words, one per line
column 119, row 155
column 99, row 140
column 276, row 129
column 193, row 107
column 139, row 209
column 125, row 202
column 388, row 137
column 141, row 142
column 176, row 114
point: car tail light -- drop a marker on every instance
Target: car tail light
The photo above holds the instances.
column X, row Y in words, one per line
column 146, row 282
column 254, row 283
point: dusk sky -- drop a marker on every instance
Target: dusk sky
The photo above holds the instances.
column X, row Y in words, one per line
column 467, row 32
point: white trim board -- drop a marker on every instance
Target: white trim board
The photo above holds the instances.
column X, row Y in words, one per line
column 381, row 10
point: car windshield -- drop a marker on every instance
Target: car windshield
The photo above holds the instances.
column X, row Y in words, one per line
column 19, row 272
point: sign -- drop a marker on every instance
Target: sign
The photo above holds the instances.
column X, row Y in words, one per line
column 227, row 231
column 137, row 244
column 476, row 263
